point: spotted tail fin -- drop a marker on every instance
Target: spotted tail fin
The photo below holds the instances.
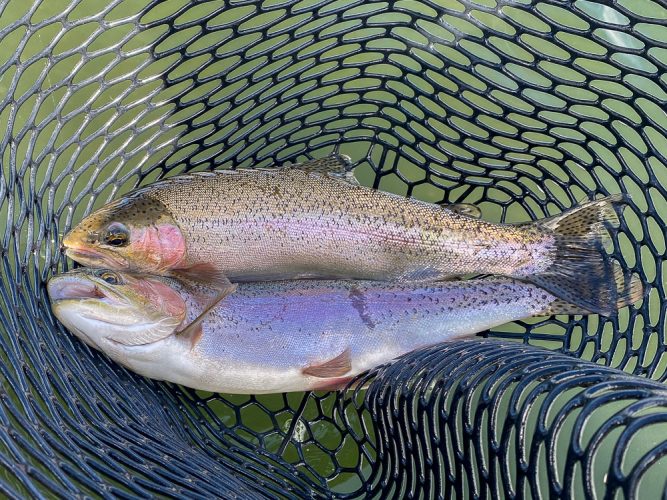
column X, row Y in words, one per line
column 581, row 272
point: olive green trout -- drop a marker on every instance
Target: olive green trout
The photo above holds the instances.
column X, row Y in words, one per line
column 311, row 221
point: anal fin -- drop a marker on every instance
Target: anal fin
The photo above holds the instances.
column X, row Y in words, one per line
column 335, row 367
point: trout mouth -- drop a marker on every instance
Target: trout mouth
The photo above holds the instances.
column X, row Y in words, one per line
column 95, row 258
column 69, row 290
column 63, row 290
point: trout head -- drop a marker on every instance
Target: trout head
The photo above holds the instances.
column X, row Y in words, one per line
column 109, row 310
column 131, row 234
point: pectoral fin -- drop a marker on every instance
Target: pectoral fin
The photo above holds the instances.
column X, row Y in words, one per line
column 203, row 273
column 195, row 335
column 335, row 367
column 192, row 327
column 222, row 287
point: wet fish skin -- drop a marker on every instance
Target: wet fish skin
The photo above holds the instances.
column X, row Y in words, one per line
column 290, row 223
column 269, row 337
column 284, row 224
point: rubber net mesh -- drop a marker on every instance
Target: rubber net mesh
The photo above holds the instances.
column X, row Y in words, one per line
column 522, row 107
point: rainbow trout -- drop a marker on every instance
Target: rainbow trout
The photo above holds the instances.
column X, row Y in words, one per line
column 286, row 336
column 312, row 221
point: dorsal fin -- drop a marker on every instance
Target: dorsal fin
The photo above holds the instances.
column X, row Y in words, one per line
column 336, row 166
column 466, row 209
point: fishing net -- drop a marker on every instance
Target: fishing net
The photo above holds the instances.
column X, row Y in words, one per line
column 521, row 107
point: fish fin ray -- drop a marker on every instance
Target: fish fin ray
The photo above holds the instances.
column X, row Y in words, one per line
column 203, row 273
column 582, row 273
column 335, row 166
column 196, row 335
column 629, row 290
column 335, row 367
column 196, row 323
column 467, row 209
column 560, row 306
column 584, row 219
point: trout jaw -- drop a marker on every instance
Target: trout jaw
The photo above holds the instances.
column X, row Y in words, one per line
column 154, row 249
column 82, row 246
column 136, row 233
column 76, row 286
column 96, row 258
column 71, row 297
column 126, row 310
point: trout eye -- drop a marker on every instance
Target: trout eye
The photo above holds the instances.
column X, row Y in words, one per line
column 109, row 277
column 117, row 235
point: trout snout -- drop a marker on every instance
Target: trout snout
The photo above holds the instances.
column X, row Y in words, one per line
column 67, row 289
column 89, row 256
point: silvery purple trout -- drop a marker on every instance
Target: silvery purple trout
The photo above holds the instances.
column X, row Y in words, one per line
column 285, row 336
column 312, row 221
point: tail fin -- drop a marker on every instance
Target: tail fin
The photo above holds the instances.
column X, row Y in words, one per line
column 629, row 290
column 582, row 274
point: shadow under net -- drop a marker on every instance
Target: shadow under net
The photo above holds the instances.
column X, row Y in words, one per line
column 521, row 108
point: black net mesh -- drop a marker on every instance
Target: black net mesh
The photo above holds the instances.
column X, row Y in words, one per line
column 522, row 107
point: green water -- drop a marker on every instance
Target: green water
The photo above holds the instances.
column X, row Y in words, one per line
column 383, row 110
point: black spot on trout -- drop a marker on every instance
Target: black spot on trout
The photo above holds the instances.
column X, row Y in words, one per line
column 359, row 303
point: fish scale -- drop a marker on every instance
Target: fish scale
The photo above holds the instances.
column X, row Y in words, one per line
column 283, row 335
column 312, row 221
column 323, row 227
